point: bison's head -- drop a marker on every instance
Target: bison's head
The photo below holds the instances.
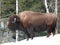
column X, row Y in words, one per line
column 13, row 22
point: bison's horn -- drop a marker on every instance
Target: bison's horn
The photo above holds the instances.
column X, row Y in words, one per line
column 14, row 20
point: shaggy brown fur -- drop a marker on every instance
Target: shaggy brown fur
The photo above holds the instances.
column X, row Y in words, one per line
column 29, row 22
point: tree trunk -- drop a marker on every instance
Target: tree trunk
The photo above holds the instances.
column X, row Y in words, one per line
column 16, row 14
column 47, row 10
column 56, row 14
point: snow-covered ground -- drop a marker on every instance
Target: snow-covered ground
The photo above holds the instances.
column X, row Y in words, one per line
column 38, row 41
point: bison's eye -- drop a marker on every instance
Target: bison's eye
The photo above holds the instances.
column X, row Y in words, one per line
column 14, row 20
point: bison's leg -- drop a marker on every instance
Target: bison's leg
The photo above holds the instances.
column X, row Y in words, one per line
column 53, row 29
column 53, row 32
column 28, row 35
column 48, row 31
column 14, row 35
column 31, row 32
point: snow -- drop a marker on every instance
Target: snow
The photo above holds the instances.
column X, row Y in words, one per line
column 52, row 40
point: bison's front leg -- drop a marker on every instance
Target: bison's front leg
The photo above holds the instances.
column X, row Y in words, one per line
column 31, row 32
column 28, row 35
column 14, row 35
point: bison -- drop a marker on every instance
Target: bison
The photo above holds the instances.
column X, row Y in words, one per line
column 31, row 22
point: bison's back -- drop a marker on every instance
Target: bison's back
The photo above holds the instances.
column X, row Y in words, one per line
column 36, row 18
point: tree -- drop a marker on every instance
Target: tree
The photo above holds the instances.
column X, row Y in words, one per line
column 47, row 10
column 56, row 14
column 34, row 5
column 7, row 7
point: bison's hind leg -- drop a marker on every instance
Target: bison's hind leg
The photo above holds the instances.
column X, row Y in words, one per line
column 48, row 30
column 53, row 28
column 48, row 33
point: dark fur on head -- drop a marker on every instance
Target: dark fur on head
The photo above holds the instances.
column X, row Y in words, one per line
column 13, row 22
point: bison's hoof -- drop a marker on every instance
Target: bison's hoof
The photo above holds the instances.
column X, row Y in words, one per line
column 32, row 38
column 27, row 39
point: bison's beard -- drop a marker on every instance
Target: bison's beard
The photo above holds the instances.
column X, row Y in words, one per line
column 13, row 28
